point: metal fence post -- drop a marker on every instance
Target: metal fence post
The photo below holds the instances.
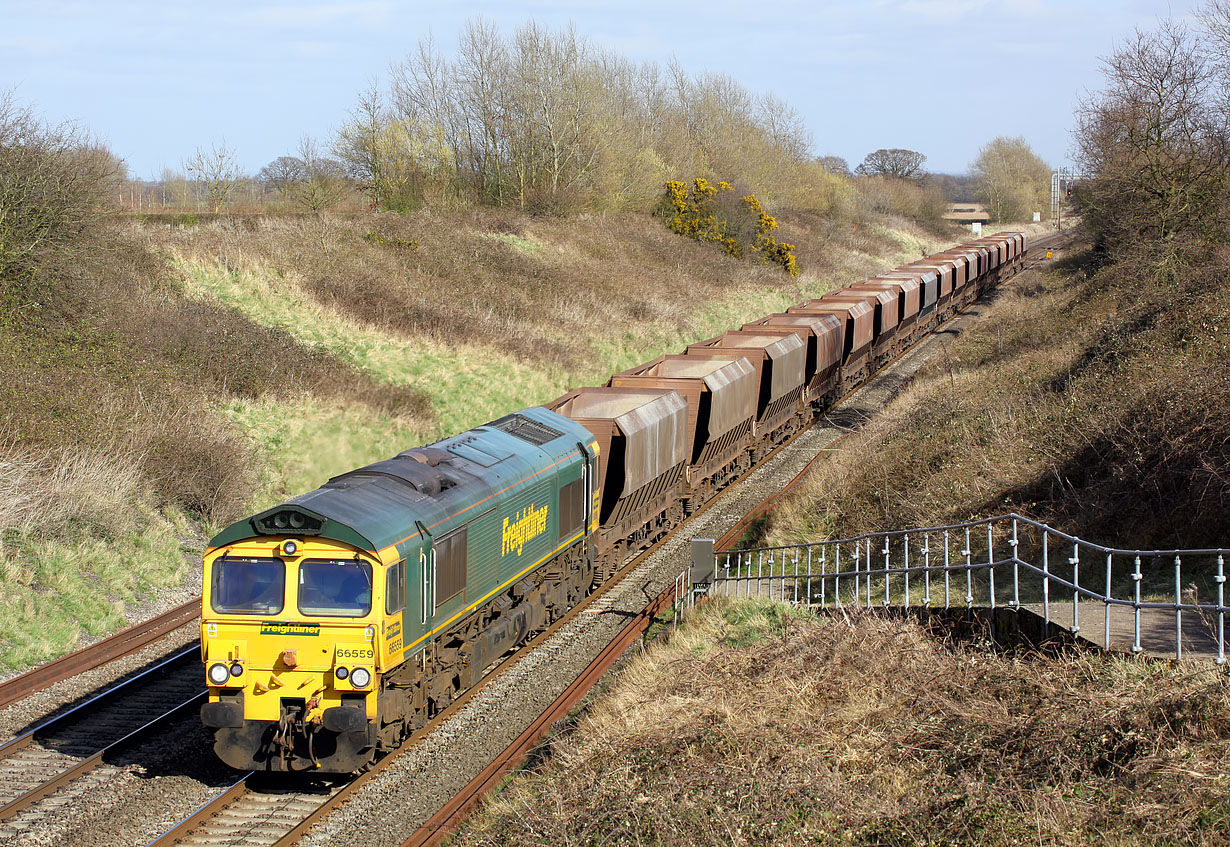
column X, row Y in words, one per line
column 905, row 543
column 885, row 551
column 991, row 565
column 946, row 592
column 858, row 573
column 869, row 573
column 1106, row 605
column 1136, row 578
column 1046, row 578
column 1014, row 545
column 1221, row 610
column 795, row 574
column 1075, row 561
column 969, row 571
column 1178, row 610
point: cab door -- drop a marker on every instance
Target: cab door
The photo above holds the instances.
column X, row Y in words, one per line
column 416, row 617
column 589, row 471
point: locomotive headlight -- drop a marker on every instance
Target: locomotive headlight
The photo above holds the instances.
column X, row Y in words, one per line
column 290, row 548
column 341, row 673
column 360, row 677
column 219, row 674
column 237, row 669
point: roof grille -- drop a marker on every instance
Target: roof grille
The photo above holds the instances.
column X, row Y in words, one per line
column 527, row 429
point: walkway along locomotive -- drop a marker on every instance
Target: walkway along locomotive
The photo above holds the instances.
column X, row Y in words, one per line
column 335, row 624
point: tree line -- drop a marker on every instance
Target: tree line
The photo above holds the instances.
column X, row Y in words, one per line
column 545, row 121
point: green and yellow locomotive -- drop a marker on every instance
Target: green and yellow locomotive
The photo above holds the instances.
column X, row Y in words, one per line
column 335, row 624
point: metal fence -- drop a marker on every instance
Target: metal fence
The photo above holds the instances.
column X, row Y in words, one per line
column 1140, row 596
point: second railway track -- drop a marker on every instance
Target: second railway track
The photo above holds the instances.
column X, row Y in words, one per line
column 49, row 758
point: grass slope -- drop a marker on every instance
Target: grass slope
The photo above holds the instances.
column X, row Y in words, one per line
column 760, row 724
column 160, row 379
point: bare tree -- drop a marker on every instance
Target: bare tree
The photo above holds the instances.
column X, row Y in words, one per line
column 1012, row 180
column 895, row 162
column 1157, row 140
column 281, row 174
column 217, row 172
column 834, row 165
column 324, row 179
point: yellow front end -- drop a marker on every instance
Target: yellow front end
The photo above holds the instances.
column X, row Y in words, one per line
column 288, row 635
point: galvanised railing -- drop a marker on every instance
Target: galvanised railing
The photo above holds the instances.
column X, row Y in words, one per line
column 1034, row 566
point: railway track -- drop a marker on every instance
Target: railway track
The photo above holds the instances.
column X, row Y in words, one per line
column 50, row 757
column 95, row 655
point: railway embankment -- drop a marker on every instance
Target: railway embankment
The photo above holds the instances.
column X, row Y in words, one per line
column 163, row 377
column 1089, row 395
column 762, row 724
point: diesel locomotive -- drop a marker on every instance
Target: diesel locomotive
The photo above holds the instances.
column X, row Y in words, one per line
column 335, row 624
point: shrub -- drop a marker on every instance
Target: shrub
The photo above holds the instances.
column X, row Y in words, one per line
column 739, row 229
column 53, row 181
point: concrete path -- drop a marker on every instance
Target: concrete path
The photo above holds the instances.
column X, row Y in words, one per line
column 1157, row 628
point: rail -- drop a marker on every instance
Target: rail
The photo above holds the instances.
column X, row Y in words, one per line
column 1141, row 595
column 99, row 653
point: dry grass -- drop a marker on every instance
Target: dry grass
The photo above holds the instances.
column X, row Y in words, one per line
column 86, row 487
column 79, row 538
column 760, row 725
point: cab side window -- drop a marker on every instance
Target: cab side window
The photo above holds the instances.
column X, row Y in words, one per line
column 395, row 588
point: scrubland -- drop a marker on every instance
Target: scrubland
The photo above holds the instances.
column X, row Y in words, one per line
column 761, row 724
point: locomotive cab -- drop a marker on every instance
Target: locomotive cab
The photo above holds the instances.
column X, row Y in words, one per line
column 336, row 623
column 295, row 634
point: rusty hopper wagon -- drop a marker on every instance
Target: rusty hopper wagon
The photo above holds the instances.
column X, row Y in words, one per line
column 823, row 335
column 857, row 321
column 778, row 362
column 905, row 296
column 642, row 436
column 721, row 394
column 885, row 314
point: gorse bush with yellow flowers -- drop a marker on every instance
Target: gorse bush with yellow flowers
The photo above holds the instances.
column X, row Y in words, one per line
column 706, row 213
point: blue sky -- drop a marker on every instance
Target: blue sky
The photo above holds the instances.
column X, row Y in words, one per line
column 155, row 80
